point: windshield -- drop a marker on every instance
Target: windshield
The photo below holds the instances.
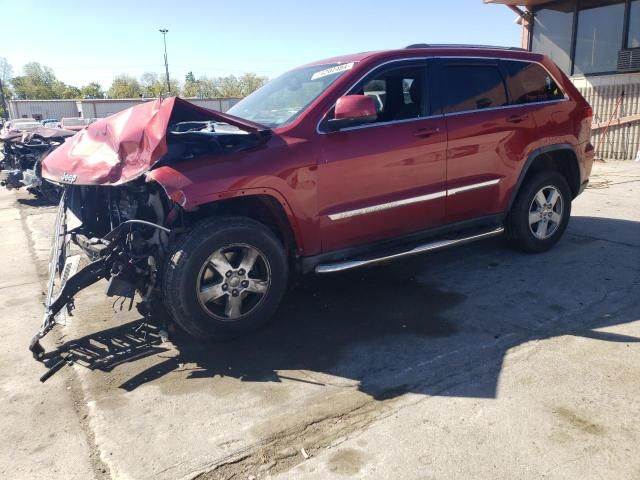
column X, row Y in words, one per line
column 281, row 100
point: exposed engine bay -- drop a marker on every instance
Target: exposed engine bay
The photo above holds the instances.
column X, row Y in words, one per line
column 188, row 140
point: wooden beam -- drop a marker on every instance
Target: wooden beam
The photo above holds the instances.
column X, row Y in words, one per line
column 616, row 122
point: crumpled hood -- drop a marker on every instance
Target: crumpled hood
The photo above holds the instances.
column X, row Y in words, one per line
column 122, row 147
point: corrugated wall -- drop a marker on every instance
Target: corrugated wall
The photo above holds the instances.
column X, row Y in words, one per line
column 219, row 104
column 89, row 108
column 621, row 142
column 42, row 109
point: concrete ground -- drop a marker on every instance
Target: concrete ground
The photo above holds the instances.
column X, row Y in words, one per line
column 476, row 362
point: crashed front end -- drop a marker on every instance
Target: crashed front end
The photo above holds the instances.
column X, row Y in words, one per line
column 123, row 222
column 124, row 235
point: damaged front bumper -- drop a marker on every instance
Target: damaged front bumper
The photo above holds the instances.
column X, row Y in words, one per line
column 111, row 257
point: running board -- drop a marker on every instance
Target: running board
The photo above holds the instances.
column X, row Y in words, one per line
column 427, row 247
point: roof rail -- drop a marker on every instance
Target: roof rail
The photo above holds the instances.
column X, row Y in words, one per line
column 453, row 45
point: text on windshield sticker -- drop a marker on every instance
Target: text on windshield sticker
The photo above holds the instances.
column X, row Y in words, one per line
column 332, row 70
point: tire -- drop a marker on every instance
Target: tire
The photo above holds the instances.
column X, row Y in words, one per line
column 204, row 282
column 528, row 207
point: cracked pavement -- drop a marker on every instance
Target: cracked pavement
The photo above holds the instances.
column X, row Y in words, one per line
column 475, row 362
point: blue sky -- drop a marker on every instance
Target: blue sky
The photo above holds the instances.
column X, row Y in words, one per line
column 85, row 41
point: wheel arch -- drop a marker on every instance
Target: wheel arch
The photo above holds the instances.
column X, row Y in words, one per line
column 560, row 157
column 261, row 207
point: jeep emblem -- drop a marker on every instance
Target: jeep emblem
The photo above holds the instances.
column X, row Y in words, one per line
column 69, row 177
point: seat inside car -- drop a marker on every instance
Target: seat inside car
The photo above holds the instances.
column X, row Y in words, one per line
column 412, row 109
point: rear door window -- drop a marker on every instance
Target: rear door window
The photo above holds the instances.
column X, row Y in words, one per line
column 473, row 87
column 529, row 82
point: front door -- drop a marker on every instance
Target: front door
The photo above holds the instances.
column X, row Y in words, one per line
column 388, row 178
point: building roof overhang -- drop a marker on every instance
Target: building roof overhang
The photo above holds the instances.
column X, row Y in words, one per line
column 520, row 3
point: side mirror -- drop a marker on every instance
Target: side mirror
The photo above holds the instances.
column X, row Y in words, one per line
column 353, row 110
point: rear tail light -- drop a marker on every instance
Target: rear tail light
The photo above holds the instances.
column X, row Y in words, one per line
column 588, row 112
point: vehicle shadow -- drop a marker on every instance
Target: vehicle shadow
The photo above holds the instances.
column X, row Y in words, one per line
column 408, row 326
column 36, row 201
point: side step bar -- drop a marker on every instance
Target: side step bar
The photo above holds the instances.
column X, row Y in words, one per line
column 427, row 247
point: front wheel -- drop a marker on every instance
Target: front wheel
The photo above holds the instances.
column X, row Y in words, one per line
column 225, row 278
column 541, row 212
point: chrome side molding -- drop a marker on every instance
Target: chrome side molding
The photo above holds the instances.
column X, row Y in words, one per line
column 387, row 206
column 427, row 247
column 473, row 186
column 409, row 201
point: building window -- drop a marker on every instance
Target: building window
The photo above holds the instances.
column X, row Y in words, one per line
column 597, row 28
column 633, row 40
column 552, row 33
column 599, row 37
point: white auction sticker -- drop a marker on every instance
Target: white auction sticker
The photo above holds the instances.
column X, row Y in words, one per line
column 333, row 70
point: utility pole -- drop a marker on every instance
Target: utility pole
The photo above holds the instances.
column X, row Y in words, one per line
column 4, row 102
column 164, row 32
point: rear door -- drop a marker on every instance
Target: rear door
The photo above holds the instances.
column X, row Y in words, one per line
column 531, row 84
column 487, row 137
column 384, row 179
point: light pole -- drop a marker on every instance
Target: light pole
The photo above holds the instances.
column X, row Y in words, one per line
column 164, row 32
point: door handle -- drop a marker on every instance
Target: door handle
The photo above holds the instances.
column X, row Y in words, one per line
column 426, row 132
column 517, row 118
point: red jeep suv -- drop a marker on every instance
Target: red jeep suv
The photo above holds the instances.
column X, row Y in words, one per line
column 334, row 165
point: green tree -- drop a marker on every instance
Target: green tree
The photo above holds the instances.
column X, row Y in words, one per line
column 191, row 87
column 207, row 88
column 62, row 90
column 6, row 72
column 229, row 86
column 37, row 82
column 19, row 87
column 152, row 86
column 250, row 82
column 124, row 86
column 40, row 83
column 92, row 90
column 175, row 87
column 203, row 87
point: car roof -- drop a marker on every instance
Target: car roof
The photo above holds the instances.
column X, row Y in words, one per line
column 434, row 50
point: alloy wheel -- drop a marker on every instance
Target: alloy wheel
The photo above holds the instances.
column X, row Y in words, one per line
column 545, row 212
column 233, row 282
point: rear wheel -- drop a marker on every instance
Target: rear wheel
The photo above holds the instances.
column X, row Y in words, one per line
column 541, row 212
column 225, row 278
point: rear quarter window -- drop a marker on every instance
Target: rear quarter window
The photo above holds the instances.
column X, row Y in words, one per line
column 530, row 82
column 473, row 87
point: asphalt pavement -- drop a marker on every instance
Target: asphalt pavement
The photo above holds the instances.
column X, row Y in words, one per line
column 475, row 362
